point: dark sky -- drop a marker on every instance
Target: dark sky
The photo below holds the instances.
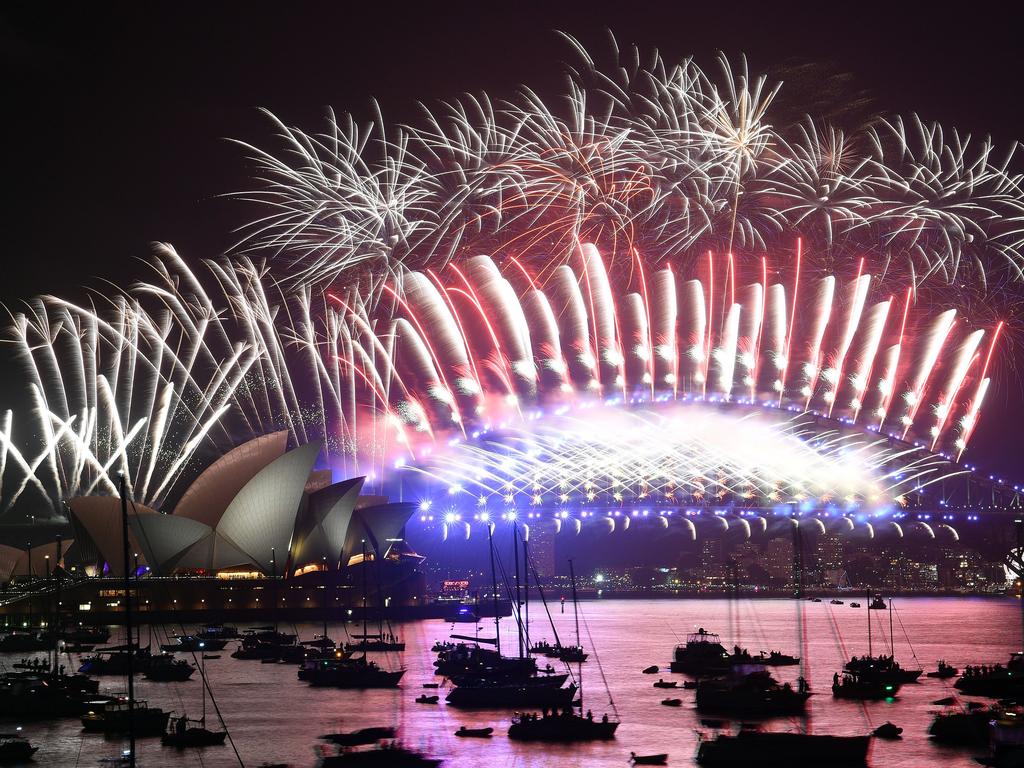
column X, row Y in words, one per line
column 116, row 115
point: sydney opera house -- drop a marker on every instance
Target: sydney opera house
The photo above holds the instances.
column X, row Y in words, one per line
column 258, row 511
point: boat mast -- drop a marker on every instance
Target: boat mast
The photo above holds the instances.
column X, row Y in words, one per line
column 494, row 587
column 273, row 585
column 870, row 653
column 576, row 613
column 128, row 621
column 202, row 672
column 892, row 644
column 526, row 584
column 519, row 603
column 364, row 599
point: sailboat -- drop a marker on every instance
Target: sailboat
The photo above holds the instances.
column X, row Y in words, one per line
column 488, row 679
column 564, row 726
column 883, row 669
column 126, row 715
column 380, row 640
column 342, row 672
column 182, row 735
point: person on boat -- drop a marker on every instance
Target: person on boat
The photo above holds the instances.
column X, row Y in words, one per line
column 801, row 684
column 590, row 716
column 835, row 679
column 181, row 725
column 604, row 718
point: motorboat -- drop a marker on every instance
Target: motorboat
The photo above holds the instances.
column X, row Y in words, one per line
column 15, row 748
column 651, row 670
column 703, row 654
column 361, row 737
column 165, row 668
column 193, row 643
column 887, row 731
column 765, row 748
column 671, row 702
column 666, row 683
column 659, row 759
column 944, row 671
column 427, row 699
column 118, row 716
column 997, row 680
column 474, row 733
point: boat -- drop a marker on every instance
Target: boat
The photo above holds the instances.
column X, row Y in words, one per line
column 24, row 642
column 218, row 632
column 115, row 661
column 361, row 737
column 15, row 748
column 651, row 670
column 126, row 715
column 672, row 702
column 165, row 668
column 474, row 733
column 703, row 654
column 512, row 695
column 113, row 717
column 387, row 755
column 193, row 643
column 85, row 635
column 562, row 724
column 357, row 673
column 690, row 685
column 763, row 748
column 259, row 645
column 484, row 678
column 543, row 647
column 855, row 605
column 660, row 759
column 835, row 602
column 887, row 731
column 882, row 668
column 815, row 599
column 573, row 653
column 964, row 726
column 29, row 695
column 877, row 604
column 665, row 683
column 427, row 699
column 36, row 664
column 382, row 642
column 464, row 614
column 431, row 685
column 565, row 726
column 852, row 686
column 741, row 656
column 996, row 680
column 184, row 736
column 755, row 694
column 210, row 656
column 471, row 658
column 944, row 671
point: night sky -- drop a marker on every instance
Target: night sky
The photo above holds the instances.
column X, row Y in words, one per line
column 116, row 117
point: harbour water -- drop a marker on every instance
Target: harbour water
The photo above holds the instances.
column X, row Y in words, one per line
column 272, row 717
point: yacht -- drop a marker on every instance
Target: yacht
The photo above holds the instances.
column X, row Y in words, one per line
column 703, row 654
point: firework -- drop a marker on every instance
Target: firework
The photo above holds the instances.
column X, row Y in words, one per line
column 654, row 240
column 666, row 159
